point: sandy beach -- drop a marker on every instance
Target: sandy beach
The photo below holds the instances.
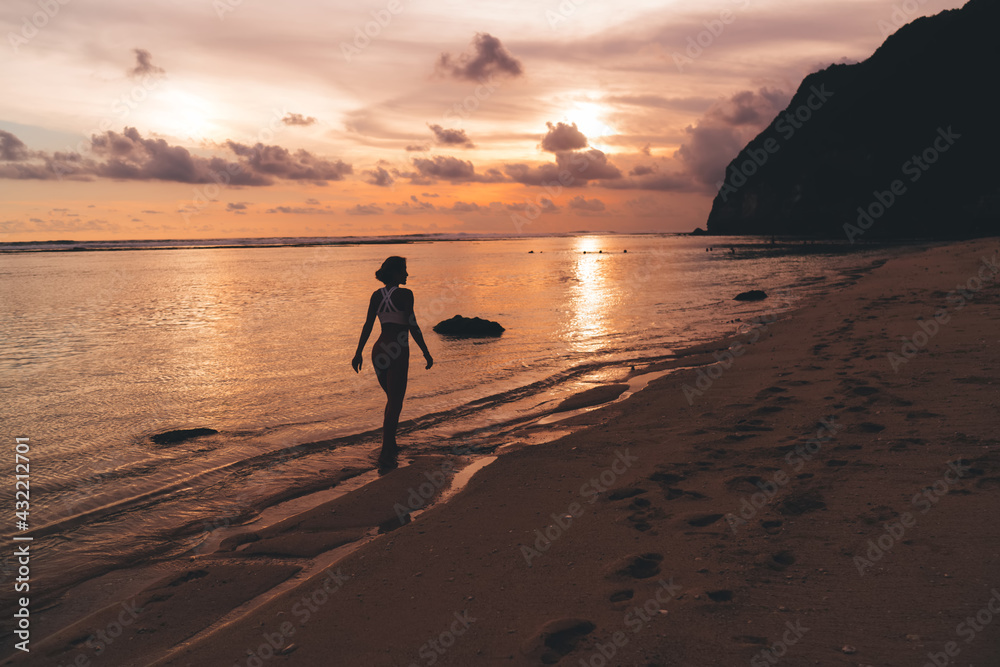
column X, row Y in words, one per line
column 820, row 490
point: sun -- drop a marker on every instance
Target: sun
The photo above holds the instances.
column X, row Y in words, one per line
column 178, row 113
column 590, row 118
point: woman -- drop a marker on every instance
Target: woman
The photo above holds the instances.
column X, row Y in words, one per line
column 391, row 353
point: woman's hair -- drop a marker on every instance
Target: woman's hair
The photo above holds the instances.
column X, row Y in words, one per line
column 391, row 268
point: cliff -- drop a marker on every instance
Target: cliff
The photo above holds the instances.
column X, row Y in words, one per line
column 904, row 144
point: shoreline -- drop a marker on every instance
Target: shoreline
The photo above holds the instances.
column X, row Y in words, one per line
column 616, row 524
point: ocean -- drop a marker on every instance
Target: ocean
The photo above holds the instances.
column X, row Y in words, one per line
column 102, row 350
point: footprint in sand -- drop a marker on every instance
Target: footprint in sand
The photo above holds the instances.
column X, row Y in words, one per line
column 921, row 414
column 673, row 493
column 702, row 520
column 866, row 427
column 643, row 513
column 625, row 492
column 664, row 478
column 772, row 526
column 641, row 566
column 747, row 483
column 753, row 640
column 802, row 502
column 622, row 596
column 723, row 595
column 556, row 639
column 864, row 390
column 781, row 560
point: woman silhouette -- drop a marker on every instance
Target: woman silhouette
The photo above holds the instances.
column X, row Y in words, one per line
column 391, row 352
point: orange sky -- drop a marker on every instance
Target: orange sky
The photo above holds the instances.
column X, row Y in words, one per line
column 229, row 118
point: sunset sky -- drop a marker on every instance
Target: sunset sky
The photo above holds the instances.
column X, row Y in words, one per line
column 245, row 118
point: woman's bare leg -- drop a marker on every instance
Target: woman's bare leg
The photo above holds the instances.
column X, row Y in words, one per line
column 393, row 380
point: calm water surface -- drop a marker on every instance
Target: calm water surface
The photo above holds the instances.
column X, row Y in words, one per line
column 101, row 350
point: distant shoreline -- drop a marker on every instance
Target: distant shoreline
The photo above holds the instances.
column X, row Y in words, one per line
column 760, row 242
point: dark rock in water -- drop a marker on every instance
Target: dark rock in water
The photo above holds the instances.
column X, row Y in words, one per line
column 904, row 144
column 752, row 295
column 698, row 231
column 468, row 327
column 173, row 437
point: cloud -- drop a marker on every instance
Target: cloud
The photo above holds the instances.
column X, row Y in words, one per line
column 129, row 156
column 445, row 167
column 366, row 209
column 580, row 203
column 413, row 207
column 665, row 182
column 563, row 137
column 297, row 119
column 298, row 210
column 724, row 130
column 450, row 137
column 546, row 206
column 144, row 65
column 380, row 177
column 640, row 170
column 489, row 59
column 571, row 168
column 281, row 163
column 415, row 148
column 12, row 149
column 238, row 207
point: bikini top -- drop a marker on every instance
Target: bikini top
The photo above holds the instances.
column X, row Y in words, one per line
column 387, row 311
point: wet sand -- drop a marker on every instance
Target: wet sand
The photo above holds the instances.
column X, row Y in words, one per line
column 803, row 498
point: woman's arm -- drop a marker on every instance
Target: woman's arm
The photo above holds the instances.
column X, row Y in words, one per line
column 366, row 331
column 415, row 328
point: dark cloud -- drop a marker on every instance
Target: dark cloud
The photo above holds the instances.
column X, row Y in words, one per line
column 673, row 182
column 546, row 206
column 298, row 166
column 640, row 170
column 563, row 137
column 571, row 168
column 130, row 156
column 365, row 209
column 580, row 203
column 414, row 206
column 646, row 150
column 450, row 137
column 297, row 119
column 12, row 149
column 447, row 168
column 380, row 177
column 238, row 207
column 144, row 64
column 298, row 210
column 467, row 207
column 489, row 58
column 416, row 148
column 724, row 130
column 748, row 108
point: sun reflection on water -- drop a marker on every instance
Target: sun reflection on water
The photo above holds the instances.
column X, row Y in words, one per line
column 590, row 296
